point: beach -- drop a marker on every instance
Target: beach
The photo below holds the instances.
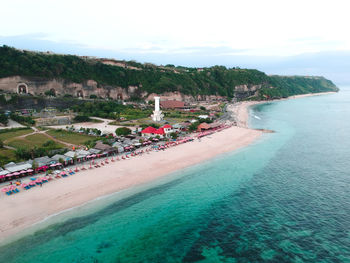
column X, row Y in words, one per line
column 29, row 207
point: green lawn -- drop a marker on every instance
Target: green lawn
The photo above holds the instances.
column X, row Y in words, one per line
column 70, row 137
column 32, row 140
column 14, row 133
column 7, row 156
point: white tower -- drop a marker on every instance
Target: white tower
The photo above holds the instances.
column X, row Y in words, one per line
column 157, row 113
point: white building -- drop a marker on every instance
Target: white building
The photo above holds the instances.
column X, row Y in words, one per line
column 157, row 113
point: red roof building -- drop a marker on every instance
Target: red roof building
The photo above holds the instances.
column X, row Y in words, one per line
column 149, row 130
column 167, row 126
column 160, row 131
column 203, row 126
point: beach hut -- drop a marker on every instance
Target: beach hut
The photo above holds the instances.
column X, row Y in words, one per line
column 178, row 127
column 105, row 148
column 19, row 167
column 43, row 161
column 94, row 151
column 203, row 126
column 58, row 157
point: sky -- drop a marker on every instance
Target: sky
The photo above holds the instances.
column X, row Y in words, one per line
column 277, row 36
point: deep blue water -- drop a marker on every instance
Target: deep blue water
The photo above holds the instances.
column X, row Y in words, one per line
column 285, row 198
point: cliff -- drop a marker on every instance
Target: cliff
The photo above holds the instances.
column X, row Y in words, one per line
column 59, row 75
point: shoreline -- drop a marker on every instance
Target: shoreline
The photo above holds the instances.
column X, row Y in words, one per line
column 25, row 210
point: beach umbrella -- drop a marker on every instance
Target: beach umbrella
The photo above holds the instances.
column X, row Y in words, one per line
column 23, row 172
column 16, row 173
column 76, row 169
column 4, row 190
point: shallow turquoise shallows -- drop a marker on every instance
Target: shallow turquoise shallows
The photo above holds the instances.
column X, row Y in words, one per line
column 286, row 198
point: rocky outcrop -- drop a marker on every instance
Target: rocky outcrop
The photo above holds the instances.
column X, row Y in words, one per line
column 245, row 91
column 59, row 87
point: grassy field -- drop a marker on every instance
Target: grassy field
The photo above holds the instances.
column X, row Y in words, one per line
column 70, row 137
column 7, row 156
column 30, row 141
column 14, row 133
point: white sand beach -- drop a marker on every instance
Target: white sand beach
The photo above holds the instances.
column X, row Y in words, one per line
column 22, row 210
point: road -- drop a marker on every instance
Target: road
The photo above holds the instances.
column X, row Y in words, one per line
column 12, row 124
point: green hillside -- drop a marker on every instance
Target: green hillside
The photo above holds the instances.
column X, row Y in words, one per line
column 216, row 80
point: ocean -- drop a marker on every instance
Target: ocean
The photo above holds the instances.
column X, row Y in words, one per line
column 285, row 198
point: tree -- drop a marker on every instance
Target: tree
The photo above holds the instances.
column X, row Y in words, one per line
column 174, row 135
column 34, row 165
column 193, row 126
column 1, row 144
column 50, row 92
column 3, row 119
column 203, row 108
column 82, row 118
column 122, row 131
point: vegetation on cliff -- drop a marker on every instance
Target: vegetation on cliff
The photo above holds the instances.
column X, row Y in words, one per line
column 217, row 80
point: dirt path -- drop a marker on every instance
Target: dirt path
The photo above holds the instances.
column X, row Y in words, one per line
column 59, row 141
column 36, row 131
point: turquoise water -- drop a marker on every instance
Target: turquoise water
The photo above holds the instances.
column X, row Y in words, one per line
column 285, row 198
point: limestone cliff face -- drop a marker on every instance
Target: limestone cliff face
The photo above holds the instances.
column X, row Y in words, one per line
column 245, row 91
column 59, row 87
column 37, row 86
